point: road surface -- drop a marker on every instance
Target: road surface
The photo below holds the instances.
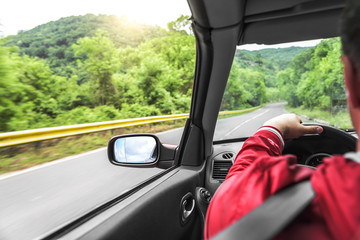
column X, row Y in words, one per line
column 38, row 200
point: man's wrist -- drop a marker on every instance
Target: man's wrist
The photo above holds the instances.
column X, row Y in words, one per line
column 274, row 130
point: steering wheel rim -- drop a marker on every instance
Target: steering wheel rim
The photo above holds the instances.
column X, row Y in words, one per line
column 330, row 131
column 329, row 134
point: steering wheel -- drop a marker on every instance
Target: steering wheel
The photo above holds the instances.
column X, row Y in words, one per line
column 311, row 149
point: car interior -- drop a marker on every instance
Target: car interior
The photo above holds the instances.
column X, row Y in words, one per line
column 173, row 204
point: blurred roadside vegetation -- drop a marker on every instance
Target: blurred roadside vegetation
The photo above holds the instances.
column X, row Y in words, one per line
column 93, row 68
column 339, row 119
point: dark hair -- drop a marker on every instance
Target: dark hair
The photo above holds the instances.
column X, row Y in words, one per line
column 350, row 31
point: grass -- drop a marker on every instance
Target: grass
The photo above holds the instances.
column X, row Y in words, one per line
column 340, row 119
column 31, row 154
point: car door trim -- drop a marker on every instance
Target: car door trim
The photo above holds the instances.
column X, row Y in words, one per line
column 70, row 226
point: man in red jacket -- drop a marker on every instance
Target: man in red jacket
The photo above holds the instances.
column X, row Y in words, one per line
column 260, row 170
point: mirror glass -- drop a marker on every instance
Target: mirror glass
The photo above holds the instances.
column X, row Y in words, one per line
column 135, row 149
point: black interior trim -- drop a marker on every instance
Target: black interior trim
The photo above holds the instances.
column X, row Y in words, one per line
column 243, row 139
column 62, row 230
column 153, row 215
column 213, row 14
column 300, row 9
column 293, row 28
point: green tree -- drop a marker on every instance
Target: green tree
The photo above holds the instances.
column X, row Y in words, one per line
column 181, row 24
column 245, row 88
column 109, row 81
column 314, row 78
column 323, row 85
column 7, row 86
column 288, row 80
column 100, row 62
column 157, row 74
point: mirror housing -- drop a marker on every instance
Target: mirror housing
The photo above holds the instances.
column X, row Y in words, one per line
column 140, row 150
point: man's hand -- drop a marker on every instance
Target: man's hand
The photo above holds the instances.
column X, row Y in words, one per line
column 290, row 126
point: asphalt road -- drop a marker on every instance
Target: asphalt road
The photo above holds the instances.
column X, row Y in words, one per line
column 247, row 124
column 38, row 200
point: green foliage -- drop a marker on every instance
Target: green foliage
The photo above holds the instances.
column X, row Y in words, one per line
column 30, row 93
column 158, row 74
column 245, row 88
column 340, row 119
column 52, row 41
column 281, row 57
column 87, row 115
column 273, row 95
column 252, row 79
column 268, row 61
column 100, row 63
column 325, row 78
column 314, row 78
column 109, row 80
column 7, row 106
column 182, row 24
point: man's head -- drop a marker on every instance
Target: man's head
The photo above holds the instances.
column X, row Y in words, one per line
column 350, row 37
column 350, row 31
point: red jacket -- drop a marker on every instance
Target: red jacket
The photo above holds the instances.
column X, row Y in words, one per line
column 259, row 171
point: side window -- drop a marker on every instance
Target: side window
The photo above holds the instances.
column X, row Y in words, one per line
column 68, row 76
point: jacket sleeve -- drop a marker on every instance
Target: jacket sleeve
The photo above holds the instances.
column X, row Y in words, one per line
column 267, row 141
column 258, row 172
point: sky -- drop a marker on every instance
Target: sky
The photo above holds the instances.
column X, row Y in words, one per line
column 16, row 15
column 252, row 47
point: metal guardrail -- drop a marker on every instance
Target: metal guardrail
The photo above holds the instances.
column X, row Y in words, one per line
column 239, row 111
column 36, row 135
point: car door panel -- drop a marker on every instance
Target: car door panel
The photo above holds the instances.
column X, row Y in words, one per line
column 152, row 212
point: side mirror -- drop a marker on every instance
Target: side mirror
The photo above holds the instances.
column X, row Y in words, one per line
column 140, row 150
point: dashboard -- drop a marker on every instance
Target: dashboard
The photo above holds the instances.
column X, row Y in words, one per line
column 310, row 150
column 220, row 163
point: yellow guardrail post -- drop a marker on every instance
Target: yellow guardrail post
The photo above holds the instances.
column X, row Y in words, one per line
column 36, row 135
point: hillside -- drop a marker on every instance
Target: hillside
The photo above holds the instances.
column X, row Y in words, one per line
column 94, row 68
column 52, row 41
column 269, row 61
column 281, row 56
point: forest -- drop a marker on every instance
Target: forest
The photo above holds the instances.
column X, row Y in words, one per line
column 314, row 78
column 92, row 68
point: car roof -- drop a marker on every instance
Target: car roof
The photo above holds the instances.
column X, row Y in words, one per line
column 259, row 20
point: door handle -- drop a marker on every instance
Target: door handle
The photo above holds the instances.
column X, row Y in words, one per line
column 187, row 206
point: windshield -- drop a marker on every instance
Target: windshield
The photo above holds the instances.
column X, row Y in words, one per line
column 266, row 81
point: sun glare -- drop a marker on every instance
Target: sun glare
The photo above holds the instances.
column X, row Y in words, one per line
column 37, row 12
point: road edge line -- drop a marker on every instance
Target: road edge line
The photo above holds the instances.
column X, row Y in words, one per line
column 47, row 164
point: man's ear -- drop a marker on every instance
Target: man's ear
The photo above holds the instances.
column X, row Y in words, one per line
column 352, row 82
